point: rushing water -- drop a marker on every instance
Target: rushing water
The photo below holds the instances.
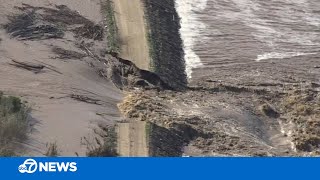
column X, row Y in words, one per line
column 227, row 32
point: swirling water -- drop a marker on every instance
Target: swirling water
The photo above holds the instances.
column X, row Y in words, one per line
column 226, row 32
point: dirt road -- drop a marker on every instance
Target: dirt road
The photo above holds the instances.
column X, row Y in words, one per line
column 132, row 140
column 132, row 31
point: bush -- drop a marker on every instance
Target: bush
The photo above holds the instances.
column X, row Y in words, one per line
column 13, row 124
column 52, row 150
column 104, row 147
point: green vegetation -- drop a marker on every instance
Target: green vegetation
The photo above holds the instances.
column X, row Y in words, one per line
column 112, row 30
column 106, row 146
column 149, row 129
column 13, row 124
column 165, row 43
column 52, row 150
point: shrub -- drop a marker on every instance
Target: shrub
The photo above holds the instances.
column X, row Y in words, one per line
column 13, row 124
column 52, row 150
column 104, row 147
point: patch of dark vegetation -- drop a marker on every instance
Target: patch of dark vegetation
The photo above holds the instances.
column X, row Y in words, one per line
column 13, row 124
column 52, row 150
column 37, row 23
column 162, row 142
column 67, row 54
column 105, row 145
column 29, row 26
column 166, row 47
column 61, row 14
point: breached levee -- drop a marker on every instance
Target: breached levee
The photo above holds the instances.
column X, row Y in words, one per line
column 148, row 35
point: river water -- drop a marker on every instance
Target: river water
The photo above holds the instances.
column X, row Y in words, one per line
column 231, row 32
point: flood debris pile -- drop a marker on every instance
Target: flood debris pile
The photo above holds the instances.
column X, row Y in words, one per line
column 89, row 31
column 62, row 53
column 166, row 47
column 212, row 119
column 30, row 26
column 37, row 23
column 36, row 68
column 127, row 75
column 301, row 109
column 172, row 130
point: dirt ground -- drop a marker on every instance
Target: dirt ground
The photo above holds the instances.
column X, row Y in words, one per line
column 58, row 115
column 132, row 31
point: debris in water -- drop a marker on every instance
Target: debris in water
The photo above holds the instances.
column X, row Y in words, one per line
column 36, row 68
column 38, row 23
column 67, row 54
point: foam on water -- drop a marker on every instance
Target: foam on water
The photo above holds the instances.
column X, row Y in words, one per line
column 218, row 32
column 281, row 55
column 190, row 30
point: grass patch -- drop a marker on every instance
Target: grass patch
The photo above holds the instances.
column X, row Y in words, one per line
column 13, row 124
column 106, row 146
column 52, row 150
column 112, row 30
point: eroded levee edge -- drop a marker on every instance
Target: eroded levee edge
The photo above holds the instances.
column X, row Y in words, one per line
column 147, row 32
